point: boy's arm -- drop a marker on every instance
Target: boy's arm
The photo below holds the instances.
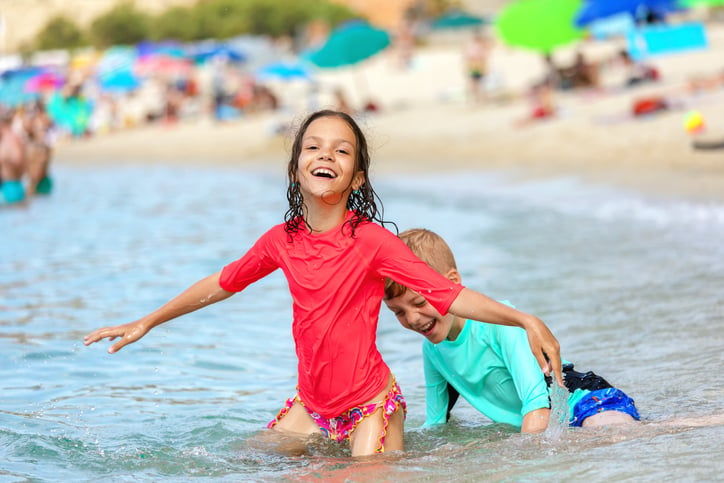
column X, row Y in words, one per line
column 536, row 421
column 512, row 346
column 436, row 395
column 204, row 292
column 473, row 305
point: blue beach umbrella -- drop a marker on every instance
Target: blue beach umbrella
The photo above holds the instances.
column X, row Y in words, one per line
column 283, row 71
column 206, row 51
column 12, row 86
column 594, row 10
column 166, row 48
column 349, row 44
column 119, row 81
column 116, row 59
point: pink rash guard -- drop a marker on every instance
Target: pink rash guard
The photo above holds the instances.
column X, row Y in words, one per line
column 337, row 284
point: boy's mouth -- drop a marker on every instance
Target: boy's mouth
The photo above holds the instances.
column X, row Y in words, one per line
column 427, row 328
column 324, row 173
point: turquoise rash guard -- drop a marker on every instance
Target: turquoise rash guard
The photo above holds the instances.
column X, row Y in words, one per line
column 493, row 368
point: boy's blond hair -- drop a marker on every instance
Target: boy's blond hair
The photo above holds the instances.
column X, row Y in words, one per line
column 430, row 248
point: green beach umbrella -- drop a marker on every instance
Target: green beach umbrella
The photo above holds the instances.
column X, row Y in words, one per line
column 349, row 44
column 701, row 3
column 539, row 25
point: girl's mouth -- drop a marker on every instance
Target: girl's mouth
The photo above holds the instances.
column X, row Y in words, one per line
column 324, row 173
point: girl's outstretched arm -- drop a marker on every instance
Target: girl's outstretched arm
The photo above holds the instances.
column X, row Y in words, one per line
column 204, row 292
column 470, row 304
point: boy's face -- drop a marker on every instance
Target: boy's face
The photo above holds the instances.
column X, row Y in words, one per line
column 415, row 313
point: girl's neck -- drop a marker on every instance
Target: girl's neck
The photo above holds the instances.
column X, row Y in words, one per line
column 324, row 218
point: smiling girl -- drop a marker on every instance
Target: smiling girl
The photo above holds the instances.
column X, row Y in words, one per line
column 336, row 255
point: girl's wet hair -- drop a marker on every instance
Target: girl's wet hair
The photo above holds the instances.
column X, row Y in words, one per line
column 363, row 202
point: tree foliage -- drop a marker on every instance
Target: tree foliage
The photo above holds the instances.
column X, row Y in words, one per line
column 124, row 24
column 60, row 33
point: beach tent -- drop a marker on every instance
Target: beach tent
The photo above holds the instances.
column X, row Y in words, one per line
column 666, row 39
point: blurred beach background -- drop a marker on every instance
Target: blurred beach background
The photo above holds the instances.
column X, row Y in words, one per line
column 600, row 208
column 424, row 119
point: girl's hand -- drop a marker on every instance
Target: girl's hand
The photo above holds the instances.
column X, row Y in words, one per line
column 128, row 333
column 546, row 348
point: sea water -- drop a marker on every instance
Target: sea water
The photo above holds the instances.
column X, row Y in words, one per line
column 633, row 287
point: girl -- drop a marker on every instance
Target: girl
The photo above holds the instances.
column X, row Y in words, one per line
column 336, row 259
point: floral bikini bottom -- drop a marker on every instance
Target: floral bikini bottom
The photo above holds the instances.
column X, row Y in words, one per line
column 340, row 428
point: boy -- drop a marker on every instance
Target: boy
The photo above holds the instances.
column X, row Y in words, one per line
column 491, row 366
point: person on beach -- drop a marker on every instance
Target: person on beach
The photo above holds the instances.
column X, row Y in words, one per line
column 335, row 253
column 491, row 366
column 13, row 163
column 38, row 126
column 476, row 56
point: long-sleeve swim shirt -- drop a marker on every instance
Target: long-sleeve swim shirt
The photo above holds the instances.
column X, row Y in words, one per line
column 336, row 280
column 491, row 366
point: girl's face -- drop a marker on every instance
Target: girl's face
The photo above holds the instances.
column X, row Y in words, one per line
column 417, row 314
column 327, row 166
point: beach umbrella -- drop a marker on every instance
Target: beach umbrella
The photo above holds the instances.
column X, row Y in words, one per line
column 456, row 19
column 119, row 82
column 539, row 25
column 148, row 65
column 12, row 86
column 44, row 81
column 166, row 48
column 283, row 71
column 594, row 10
column 349, row 44
column 701, row 3
column 205, row 51
column 116, row 59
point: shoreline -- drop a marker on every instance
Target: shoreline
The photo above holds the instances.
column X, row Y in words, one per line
column 401, row 141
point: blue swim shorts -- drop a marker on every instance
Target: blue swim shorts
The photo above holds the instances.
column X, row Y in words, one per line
column 609, row 399
column 12, row 191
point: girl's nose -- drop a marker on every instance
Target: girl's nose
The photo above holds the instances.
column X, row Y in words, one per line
column 325, row 153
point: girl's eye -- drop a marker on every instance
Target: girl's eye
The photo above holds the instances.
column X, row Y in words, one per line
column 343, row 151
column 421, row 303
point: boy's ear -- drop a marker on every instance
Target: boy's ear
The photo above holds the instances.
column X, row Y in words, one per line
column 453, row 275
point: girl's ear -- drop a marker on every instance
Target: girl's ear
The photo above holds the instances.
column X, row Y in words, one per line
column 359, row 180
column 453, row 275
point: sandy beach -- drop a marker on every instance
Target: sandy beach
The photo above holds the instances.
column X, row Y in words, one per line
column 425, row 124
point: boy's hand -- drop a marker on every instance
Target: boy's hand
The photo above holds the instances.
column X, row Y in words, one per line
column 546, row 348
column 128, row 333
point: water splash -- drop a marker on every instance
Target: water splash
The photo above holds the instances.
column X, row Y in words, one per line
column 558, row 422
